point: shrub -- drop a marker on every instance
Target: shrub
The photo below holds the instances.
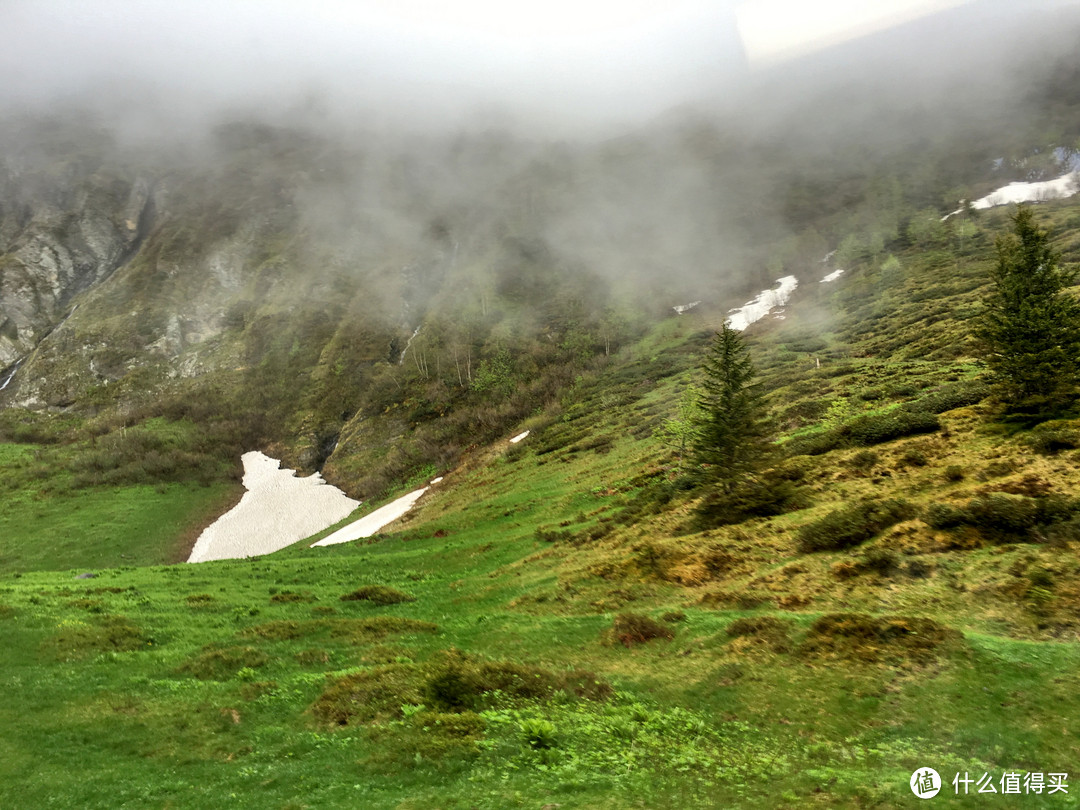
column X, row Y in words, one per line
column 1007, row 518
column 222, row 663
column 378, row 595
column 954, row 395
column 864, row 460
column 635, row 628
column 871, row 638
column 768, row 630
column 773, row 493
column 914, row 457
column 852, row 525
column 1050, row 438
column 954, row 472
column 885, row 427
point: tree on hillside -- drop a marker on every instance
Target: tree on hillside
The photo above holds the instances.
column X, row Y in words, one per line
column 1030, row 326
column 731, row 441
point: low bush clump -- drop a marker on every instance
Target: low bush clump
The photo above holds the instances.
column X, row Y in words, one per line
column 455, row 683
column 107, row 634
column 871, row 638
column 853, row 525
column 222, row 663
column 866, row 431
column 378, row 595
column 1006, row 518
column 885, row 427
column 773, row 493
column 635, row 628
column 1050, row 438
column 285, row 597
column 953, row 395
column 768, row 630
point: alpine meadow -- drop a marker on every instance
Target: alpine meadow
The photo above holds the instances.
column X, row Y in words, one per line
column 578, row 407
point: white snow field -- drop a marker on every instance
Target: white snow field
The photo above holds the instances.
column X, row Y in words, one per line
column 833, row 276
column 1064, row 186
column 277, row 510
column 369, row 524
column 519, row 437
column 766, row 302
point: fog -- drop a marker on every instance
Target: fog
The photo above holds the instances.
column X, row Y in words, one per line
column 634, row 139
column 561, row 69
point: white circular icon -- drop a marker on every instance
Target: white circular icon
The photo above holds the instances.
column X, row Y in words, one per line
column 925, row 783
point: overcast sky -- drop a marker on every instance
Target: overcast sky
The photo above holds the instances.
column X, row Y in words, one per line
column 598, row 61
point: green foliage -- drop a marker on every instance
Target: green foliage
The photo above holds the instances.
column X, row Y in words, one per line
column 538, row 733
column 681, row 432
column 853, row 524
column 1030, row 326
column 731, row 435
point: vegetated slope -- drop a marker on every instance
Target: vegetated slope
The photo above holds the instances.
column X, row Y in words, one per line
column 550, row 627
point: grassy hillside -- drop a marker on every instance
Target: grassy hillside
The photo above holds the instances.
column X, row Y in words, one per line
column 552, row 626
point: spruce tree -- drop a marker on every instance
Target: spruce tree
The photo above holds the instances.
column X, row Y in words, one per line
column 731, row 440
column 1030, row 326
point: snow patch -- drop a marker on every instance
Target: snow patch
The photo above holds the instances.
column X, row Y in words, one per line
column 434, row 481
column 277, row 510
column 833, row 276
column 766, row 302
column 681, row 308
column 1064, row 186
column 369, row 524
column 519, row 437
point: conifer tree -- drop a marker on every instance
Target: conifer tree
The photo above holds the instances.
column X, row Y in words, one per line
column 1030, row 326
column 731, row 440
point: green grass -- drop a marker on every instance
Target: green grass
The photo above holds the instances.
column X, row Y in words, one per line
column 45, row 524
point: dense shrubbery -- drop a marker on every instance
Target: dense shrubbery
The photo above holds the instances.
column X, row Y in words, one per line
column 955, row 395
column 852, row 525
column 866, row 431
column 1005, row 518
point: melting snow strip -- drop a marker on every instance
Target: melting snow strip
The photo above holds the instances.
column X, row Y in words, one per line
column 766, row 302
column 369, row 524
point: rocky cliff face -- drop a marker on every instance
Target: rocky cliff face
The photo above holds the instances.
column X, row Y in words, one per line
column 60, row 236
